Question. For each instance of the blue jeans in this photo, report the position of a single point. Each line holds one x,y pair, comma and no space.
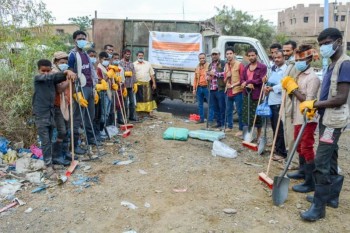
202,92
218,104
238,101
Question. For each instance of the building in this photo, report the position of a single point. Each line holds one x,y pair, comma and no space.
304,23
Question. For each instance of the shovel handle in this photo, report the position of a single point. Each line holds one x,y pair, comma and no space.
71,119
296,143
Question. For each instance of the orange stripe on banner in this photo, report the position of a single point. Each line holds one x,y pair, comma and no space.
181,47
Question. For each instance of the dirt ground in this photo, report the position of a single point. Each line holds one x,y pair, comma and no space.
207,186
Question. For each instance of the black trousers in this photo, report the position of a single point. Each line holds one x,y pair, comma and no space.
280,147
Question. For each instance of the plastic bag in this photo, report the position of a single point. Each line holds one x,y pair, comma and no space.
264,109
3,145
223,150
172,133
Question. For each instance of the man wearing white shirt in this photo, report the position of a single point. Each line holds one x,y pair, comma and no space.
144,74
273,90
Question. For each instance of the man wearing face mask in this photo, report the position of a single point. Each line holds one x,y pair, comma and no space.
143,89
109,49
304,88
333,108
78,61
60,149
130,80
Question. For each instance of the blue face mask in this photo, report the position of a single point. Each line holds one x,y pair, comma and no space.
81,43
110,55
116,62
93,60
327,50
63,67
105,63
301,65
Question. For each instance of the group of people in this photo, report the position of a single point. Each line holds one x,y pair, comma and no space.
98,86
292,90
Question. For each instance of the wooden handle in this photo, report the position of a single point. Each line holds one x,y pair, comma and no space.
276,132
71,118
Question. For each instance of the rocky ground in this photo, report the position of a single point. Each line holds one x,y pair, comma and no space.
171,186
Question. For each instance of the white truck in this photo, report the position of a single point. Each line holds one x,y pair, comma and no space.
172,83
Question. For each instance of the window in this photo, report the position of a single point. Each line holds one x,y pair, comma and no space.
320,19
306,19
295,20
283,23
337,18
59,31
291,21
342,18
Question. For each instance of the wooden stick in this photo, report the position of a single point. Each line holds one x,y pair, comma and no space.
71,118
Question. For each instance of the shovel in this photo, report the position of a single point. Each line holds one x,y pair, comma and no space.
246,131
263,140
281,182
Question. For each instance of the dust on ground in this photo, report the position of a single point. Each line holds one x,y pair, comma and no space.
205,185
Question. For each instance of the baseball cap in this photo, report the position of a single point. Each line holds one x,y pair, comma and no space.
215,50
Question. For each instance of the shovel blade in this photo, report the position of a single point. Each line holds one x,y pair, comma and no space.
280,190
261,146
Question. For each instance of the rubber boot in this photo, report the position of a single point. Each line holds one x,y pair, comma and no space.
300,174
77,149
336,186
57,156
120,117
318,206
66,152
309,183
132,116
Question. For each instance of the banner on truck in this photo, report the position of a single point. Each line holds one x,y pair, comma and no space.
174,49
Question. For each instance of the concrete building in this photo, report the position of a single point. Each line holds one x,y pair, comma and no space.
304,23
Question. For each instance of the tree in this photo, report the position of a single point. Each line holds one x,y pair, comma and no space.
281,38
239,23
24,39
83,22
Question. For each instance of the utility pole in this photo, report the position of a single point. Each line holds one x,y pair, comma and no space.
325,25
335,12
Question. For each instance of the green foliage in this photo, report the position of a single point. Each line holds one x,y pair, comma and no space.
83,22
281,38
239,23
21,47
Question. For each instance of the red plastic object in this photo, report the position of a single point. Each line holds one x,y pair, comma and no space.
194,117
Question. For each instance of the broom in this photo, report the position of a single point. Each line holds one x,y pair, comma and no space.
264,176
126,132
249,144
74,163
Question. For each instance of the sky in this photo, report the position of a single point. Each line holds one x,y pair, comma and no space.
168,9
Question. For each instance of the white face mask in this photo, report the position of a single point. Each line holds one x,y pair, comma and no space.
105,63
140,60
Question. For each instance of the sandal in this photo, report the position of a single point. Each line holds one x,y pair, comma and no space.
277,158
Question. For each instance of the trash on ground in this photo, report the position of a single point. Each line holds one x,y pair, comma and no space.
180,190
84,181
128,204
29,210
15,202
3,145
36,151
229,211
143,172
125,162
10,157
24,165
34,177
173,133
9,187
206,135
223,150
147,205
40,188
